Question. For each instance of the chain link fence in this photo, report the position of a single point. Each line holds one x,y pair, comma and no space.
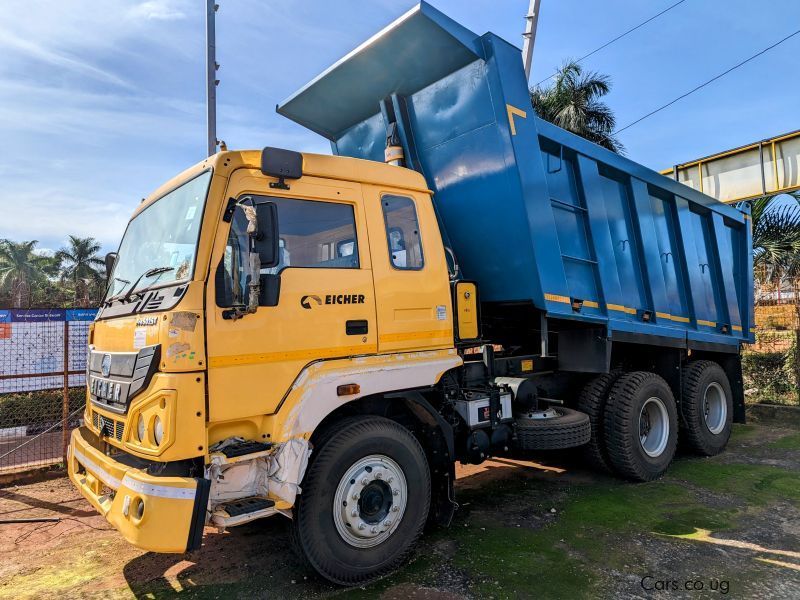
772,365
42,379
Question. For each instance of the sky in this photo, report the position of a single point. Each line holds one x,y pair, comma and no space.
101,102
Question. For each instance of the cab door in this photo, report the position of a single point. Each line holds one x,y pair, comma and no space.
410,270
325,306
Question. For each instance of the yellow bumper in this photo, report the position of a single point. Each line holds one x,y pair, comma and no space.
160,514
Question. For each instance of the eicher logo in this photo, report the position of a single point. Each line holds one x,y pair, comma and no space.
306,301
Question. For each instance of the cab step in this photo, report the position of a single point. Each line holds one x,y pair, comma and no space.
242,510
245,448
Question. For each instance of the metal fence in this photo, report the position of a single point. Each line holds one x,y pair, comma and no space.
42,378
772,364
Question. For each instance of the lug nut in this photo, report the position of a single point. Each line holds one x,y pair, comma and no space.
354,513
379,475
390,480
374,530
387,522
364,481
396,492
355,496
361,526
395,508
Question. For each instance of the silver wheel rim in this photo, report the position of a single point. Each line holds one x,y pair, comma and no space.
370,501
653,427
715,408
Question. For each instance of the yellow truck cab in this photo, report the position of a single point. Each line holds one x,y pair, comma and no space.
203,398
323,337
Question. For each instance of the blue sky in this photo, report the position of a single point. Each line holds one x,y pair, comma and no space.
100,102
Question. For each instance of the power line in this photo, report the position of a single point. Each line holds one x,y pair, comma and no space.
713,79
619,37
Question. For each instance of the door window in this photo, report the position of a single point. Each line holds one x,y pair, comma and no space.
312,234
402,232
319,235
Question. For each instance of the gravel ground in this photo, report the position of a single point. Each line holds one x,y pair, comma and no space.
544,527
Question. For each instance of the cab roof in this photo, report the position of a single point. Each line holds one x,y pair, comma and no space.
316,165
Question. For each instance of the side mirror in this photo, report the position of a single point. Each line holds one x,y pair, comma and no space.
283,164
267,242
111,260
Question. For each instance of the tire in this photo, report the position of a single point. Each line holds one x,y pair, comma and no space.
568,429
319,530
592,401
640,402
707,407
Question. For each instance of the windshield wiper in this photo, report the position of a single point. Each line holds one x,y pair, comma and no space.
124,295
149,273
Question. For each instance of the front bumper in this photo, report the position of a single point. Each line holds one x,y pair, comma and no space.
160,514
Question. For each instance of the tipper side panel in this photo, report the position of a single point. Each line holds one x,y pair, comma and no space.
536,214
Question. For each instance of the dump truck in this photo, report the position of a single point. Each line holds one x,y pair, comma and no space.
322,337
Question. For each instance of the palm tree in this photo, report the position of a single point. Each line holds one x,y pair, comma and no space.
20,269
776,237
79,264
573,103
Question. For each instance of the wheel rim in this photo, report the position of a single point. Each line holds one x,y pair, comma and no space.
370,501
653,427
715,408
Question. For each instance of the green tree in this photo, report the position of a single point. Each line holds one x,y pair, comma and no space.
776,236
80,264
573,103
20,270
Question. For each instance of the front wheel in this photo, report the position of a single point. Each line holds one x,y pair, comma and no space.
364,502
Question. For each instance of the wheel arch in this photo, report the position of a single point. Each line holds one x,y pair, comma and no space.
412,410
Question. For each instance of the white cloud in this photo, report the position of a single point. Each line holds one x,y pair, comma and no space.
38,52
156,10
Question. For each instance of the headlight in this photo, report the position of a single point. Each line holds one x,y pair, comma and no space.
158,430
140,430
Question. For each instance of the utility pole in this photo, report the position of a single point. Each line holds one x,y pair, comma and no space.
211,76
531,21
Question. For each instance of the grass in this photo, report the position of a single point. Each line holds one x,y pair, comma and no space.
788,442
585,539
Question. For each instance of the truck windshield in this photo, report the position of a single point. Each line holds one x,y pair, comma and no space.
163,235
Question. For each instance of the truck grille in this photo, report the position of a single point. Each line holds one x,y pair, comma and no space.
107,426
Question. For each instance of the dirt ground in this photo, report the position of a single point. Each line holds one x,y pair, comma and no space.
547,528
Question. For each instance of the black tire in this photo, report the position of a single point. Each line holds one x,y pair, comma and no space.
314,532
592,401
621,425
568,430
706,437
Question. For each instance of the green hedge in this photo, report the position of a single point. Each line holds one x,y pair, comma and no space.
37,408
771,376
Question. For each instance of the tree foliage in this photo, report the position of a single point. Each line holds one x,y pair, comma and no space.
573,103
776,237
71,277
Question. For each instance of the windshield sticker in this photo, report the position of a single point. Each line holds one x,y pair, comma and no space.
183,270
190,213
139,338
183,320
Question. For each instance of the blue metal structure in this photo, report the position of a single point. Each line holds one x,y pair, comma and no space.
534,213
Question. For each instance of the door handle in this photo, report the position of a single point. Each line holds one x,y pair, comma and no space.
357,327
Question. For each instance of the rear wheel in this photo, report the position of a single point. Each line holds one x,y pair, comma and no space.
592,401
640,426
364,503
707,407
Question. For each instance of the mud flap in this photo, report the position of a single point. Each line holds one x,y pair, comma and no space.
198,514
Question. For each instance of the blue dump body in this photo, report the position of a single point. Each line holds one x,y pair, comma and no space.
536,214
